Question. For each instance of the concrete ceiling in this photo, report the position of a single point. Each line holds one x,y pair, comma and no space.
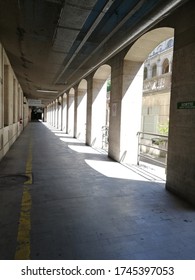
53,44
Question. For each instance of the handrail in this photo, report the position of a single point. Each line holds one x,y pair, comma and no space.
105,137
140,135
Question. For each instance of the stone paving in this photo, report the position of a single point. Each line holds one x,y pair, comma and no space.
86,206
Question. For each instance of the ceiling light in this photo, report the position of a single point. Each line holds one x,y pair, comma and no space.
47,90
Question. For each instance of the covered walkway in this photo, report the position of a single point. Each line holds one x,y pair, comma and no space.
60,199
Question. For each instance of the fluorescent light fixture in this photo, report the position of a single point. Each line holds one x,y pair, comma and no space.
47,90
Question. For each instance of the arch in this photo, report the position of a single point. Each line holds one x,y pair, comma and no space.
170,43
129,92
165,66
146,43
103,72
83,84
72,91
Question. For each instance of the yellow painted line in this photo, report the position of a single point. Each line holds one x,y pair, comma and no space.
24,228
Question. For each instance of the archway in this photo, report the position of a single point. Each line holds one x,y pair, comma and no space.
126,104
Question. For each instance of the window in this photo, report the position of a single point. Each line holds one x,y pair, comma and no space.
154,70
170,43
145,73
165,66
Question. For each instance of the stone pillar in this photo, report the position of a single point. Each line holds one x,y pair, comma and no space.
125,109
6,97
75,111
45,114
55,113
98,110
48,114
89,109
80,113
59,106
64,113
70,102
62,106
181,147
53,109
50,119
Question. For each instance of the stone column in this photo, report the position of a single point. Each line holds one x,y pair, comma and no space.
89,109
80,114
53,115
59,106
181,147
70,103
75,111
45,114
64,113
98,92
125,109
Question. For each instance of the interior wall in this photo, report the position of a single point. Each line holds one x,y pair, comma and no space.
13,107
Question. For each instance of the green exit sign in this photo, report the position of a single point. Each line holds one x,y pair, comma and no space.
186,105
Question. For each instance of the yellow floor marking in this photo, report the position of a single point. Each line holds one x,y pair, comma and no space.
23,238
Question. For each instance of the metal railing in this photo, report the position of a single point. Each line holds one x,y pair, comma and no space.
159,142
105,137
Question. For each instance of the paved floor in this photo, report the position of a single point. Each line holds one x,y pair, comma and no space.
85,206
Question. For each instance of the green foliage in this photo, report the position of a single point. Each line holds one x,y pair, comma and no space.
163,128
108,85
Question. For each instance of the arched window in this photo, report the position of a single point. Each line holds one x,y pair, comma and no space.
145,73
165,66
170,43
154,70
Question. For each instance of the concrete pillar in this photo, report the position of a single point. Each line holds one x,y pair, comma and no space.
181,147
70,104
6,96
64,113
45,113
61,112
50,114
89,109
80,114
97,110
56,114
125,109
59,108
75,111
53,113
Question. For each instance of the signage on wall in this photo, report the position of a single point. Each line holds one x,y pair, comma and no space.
186,105
34,102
